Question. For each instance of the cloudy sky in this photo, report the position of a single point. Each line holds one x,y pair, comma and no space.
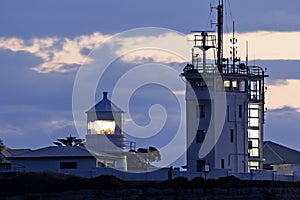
44,43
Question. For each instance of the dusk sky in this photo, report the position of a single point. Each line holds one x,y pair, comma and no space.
43,44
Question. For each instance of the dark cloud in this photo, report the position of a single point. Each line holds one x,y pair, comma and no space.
30,101
71,18
20,85
282,125
279,69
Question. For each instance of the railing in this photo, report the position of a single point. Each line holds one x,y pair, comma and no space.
226,69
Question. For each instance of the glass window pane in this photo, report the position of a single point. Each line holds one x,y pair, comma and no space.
242,85
234,84
253,113
254,106
253,133
255,143
254,122
227,83
254,152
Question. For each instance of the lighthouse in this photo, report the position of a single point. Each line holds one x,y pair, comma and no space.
105,138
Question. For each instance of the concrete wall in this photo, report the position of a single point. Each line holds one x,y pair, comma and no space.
287,169
53,164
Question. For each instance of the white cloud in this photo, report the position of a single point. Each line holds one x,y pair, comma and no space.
10,130
57,53
58,124
281,95
266,45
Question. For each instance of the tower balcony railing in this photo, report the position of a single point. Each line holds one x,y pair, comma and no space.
212,68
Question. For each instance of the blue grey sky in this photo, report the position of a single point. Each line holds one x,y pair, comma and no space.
36,106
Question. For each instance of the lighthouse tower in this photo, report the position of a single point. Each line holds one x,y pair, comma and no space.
232,136
105,138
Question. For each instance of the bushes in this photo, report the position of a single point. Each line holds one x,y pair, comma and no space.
51,182
105,182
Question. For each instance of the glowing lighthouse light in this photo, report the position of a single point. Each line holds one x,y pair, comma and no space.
102,126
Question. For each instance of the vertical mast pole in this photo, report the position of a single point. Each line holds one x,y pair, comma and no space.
233,48
220,36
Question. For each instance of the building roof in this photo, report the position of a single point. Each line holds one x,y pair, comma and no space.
59,152
105,105
278,154
18,151
7,152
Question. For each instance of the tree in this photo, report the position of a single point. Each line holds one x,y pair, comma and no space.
69,141
2,146
142,158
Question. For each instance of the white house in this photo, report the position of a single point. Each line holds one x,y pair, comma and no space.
60,159
283,160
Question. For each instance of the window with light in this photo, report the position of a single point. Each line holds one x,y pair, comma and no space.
102,127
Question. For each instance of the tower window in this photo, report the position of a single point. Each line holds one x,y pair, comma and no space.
102,127
199,83
227,83
200,136
242,86
231,135
200,110
240,111
222,163
200,165
234,84
220,85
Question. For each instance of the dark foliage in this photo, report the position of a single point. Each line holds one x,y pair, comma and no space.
106,182
69,141
142,158
46,182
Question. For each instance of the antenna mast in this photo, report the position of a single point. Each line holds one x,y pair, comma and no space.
220,36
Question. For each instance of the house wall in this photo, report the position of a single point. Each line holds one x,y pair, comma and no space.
287,169
221,117
53,164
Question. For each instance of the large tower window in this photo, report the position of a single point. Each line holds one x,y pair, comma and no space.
242,86
231,135
200,109
200,165
102,126
222,163
240,111
234,85
200,136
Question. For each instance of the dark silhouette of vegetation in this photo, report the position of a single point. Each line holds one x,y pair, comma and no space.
142,158
110,187
69,141
1,145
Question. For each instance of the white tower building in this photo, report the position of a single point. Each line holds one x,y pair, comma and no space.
238,144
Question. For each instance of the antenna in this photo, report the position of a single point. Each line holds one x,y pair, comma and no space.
233,46
247,51
220,36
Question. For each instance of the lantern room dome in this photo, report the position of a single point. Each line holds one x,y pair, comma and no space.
105,105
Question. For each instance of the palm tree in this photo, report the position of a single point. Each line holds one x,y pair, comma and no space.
69,141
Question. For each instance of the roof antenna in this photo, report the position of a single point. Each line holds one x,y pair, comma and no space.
220,36
247,52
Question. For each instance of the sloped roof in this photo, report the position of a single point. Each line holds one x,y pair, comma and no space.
55,151
278,154
7,152
18,151
61,152
105,105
